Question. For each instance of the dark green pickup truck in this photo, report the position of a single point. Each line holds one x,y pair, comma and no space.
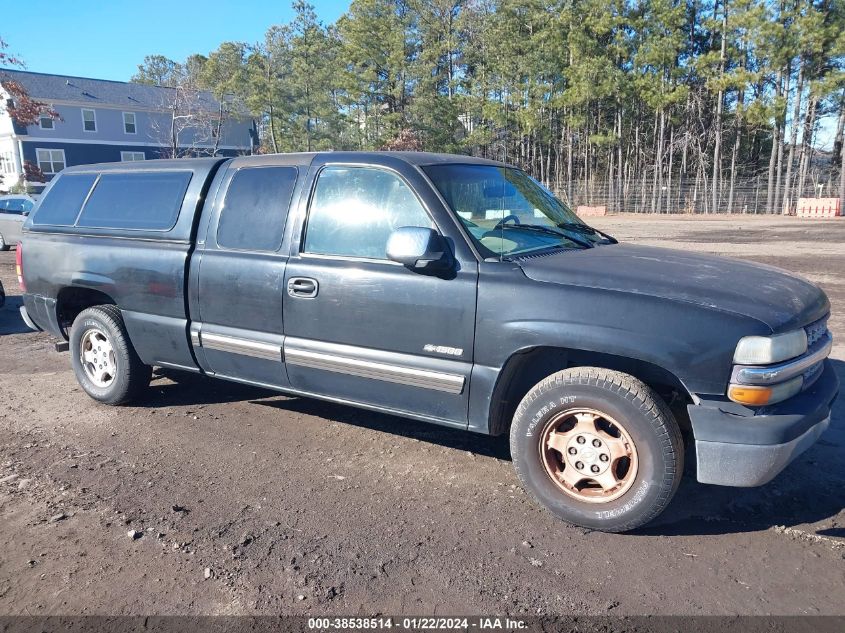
447,289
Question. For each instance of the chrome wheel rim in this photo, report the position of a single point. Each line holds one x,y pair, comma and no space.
588,455
97,356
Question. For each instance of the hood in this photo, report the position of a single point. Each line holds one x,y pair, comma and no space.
773,296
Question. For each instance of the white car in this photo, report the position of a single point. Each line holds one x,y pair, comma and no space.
13,212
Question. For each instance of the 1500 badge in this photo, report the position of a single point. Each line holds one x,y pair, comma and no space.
443,349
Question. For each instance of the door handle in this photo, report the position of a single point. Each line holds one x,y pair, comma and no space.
302,287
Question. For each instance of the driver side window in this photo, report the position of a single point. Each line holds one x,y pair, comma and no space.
355,209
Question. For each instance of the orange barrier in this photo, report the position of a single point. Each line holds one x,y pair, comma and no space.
818,208
584,211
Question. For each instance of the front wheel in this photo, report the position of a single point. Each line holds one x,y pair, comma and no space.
104,361
598,448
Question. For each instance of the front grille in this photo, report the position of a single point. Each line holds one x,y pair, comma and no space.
815,331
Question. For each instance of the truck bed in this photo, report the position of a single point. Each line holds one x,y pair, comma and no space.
143,270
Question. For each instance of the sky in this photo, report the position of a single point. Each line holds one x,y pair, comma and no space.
107,40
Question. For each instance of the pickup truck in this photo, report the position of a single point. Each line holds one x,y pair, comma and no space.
448,289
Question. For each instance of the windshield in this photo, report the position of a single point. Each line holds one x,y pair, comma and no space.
508,213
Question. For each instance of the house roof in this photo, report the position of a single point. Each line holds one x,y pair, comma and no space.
94,92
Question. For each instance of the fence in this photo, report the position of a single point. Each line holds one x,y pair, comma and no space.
692,196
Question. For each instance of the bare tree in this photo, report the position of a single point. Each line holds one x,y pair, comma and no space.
191,125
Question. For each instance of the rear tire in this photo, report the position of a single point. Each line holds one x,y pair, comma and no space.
598,448
103,358
3,245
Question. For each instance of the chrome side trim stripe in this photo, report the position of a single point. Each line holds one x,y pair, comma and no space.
449,383
245,347
195,338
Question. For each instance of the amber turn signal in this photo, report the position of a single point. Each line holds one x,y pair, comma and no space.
755,396
752,396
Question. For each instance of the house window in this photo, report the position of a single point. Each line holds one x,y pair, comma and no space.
7,163
45,122
131,156
89,121
50,161
129,123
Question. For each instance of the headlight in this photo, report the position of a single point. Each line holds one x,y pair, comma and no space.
764,350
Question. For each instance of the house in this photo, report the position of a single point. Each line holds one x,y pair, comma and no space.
108,121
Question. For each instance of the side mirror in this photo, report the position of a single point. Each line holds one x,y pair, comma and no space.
420,249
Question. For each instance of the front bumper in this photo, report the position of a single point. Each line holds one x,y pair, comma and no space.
737,446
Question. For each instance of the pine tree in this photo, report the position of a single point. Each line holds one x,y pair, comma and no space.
646,106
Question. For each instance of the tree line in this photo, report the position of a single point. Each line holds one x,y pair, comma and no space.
637,99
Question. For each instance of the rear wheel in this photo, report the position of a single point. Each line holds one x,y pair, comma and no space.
598,448
104,361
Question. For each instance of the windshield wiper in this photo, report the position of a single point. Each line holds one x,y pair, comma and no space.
584,228
548,230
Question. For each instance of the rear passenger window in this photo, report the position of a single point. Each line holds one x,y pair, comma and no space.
138,200
355,209
255,208
62,203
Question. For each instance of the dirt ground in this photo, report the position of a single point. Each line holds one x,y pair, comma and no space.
245,501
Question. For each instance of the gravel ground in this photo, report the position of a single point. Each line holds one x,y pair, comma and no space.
215,498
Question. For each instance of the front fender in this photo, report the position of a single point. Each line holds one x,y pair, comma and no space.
692,342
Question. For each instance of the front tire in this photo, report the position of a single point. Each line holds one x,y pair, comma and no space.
103,358
598,448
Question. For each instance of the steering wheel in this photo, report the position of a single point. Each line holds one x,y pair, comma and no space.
505,220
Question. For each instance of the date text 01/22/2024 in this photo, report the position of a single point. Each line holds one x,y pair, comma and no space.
416,623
